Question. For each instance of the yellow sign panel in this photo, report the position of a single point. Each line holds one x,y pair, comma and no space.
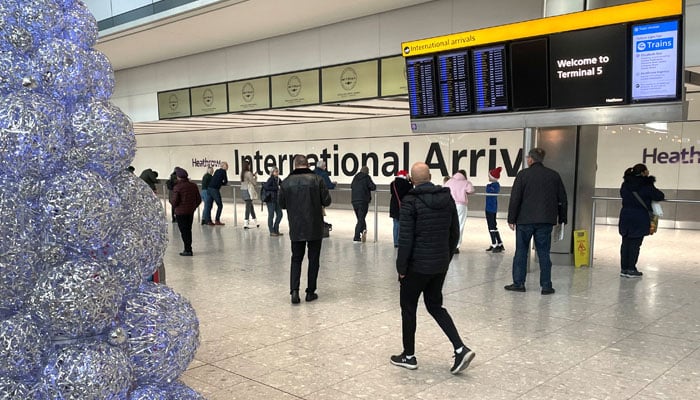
174,104
295,89
581,248
393,76
209,99
249,94
561,23
350,82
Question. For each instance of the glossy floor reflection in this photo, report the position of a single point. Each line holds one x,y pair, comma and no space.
599,337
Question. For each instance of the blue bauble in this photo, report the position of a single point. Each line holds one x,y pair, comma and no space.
87,370
61,67
80,26
80,210
102,138
32,134
77,298
22,346
163,333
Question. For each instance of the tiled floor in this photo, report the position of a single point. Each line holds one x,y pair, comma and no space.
599,337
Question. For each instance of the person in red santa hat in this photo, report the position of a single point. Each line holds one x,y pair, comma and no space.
491,209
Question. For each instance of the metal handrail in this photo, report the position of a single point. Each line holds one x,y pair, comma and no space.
605,198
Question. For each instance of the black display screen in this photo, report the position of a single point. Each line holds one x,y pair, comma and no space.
453,83
490,85
589,67
529,74
420,76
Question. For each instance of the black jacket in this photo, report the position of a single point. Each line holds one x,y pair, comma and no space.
428,230
150,177
634,218
399,187
271,186
220,178
361,187
303,194
537,197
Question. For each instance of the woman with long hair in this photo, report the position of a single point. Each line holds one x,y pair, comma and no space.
249,192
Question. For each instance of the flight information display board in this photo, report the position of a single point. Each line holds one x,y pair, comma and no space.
453,83
420,76
589,67
655,55
529,74
490,83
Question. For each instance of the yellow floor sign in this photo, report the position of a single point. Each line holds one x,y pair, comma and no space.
581,248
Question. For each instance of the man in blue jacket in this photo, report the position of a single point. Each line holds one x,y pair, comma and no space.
537,200
428,236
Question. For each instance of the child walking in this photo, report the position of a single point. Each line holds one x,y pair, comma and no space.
492,208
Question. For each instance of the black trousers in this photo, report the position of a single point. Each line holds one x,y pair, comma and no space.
493,228
184,222
361,213
629,252
412,285
298,250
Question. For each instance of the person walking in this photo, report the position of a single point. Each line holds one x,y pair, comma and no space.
537,203
491,209
185,199
428,236
460,188
274,212
362,187
206,199
637,192
304,194
249,192
399,187
220,178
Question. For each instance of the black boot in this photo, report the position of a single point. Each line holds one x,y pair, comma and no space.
295,297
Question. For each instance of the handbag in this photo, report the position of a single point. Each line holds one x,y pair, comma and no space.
653,217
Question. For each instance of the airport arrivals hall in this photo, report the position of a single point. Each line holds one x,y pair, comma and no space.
424,125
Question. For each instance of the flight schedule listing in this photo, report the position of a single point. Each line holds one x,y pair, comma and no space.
420,74
453,76
490,86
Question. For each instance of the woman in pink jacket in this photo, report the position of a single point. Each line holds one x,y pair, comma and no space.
460,187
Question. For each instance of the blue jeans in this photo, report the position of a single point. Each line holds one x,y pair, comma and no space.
215,195
207,200
543,243
396,232
274,209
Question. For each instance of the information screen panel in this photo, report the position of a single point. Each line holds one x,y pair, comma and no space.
393,76
589,67
295,89
350,82
174,104
420,75
249,95
490,83
208,100
453,83
529,74
655,54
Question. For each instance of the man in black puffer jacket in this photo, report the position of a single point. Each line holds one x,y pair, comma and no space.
362,187
428,236
304,194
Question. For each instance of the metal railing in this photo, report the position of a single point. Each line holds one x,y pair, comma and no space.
604,198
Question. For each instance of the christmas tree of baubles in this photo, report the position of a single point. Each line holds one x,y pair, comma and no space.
79,318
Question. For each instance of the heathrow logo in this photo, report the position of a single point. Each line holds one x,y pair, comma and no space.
294,86
173,102
248,92
348,78
208,98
